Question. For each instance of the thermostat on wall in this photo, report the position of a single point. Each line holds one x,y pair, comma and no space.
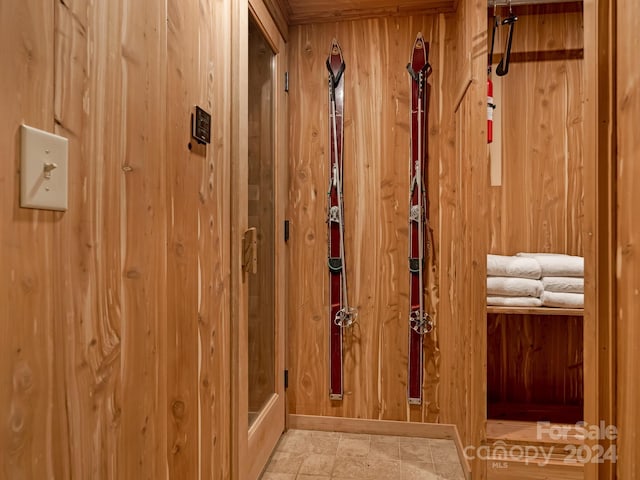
201,126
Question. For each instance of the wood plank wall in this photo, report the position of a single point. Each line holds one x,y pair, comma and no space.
376,186
114,339
376,192
464,233
628,237
539,206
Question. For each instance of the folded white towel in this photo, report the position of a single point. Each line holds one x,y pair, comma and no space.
540,254
563,284
562,300
505,266
514,287
557,265
514,301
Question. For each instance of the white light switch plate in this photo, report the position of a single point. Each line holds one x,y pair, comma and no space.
43,170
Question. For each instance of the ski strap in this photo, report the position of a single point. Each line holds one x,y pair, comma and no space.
334,79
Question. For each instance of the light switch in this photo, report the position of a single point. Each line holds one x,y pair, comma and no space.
43,170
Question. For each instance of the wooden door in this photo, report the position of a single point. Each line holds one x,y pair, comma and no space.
260,185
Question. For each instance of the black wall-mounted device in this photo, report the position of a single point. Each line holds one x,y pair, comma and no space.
201,126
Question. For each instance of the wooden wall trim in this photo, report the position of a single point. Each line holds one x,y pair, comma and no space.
239,224
367,13
599,232
280,13
375,427
263,17
627,110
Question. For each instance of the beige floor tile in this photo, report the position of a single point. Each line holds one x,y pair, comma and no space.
450,471
354,447
418,471
278,476
384,451
414,441
418,451
366,469
285,462
320,434
316,455
355,436
295,441
444,452
323,445
442,442
385,469
316,464
386,439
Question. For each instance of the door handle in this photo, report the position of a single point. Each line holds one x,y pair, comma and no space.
250,251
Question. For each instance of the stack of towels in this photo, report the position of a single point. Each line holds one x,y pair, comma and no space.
535,280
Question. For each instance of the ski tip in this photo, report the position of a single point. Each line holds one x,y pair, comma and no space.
420,52
419,43
335,48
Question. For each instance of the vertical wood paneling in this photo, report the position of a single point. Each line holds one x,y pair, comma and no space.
599,239
376,183
115,334
31,433
628,233
89,237
214,367
464,233
143,239
539,205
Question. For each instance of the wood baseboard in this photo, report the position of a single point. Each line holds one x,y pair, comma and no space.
382,427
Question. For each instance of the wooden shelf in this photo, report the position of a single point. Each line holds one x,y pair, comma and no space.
515,432
574,312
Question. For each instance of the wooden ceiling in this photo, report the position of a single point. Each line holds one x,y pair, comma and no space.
314,11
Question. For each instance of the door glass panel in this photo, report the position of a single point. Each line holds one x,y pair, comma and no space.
261,213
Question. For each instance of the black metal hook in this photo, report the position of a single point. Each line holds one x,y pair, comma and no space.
503,67
496,24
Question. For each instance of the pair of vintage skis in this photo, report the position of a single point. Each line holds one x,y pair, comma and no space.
342,315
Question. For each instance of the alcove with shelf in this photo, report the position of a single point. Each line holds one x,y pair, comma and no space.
535,355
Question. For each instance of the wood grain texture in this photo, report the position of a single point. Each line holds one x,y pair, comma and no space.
131,323
599,236
198,198
32,431
499,469
314,11
539,206
376,182
535,359
628,238
577,312
279,11
464,231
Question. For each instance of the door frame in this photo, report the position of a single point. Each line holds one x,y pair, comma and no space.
599,226
252,446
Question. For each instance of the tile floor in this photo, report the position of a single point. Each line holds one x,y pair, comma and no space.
312,455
